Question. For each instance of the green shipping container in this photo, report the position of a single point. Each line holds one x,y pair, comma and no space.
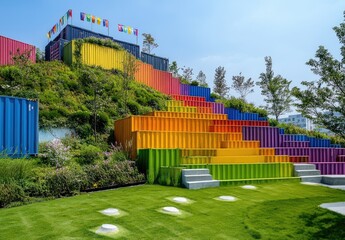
151,160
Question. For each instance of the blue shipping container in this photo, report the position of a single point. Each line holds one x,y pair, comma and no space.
18,126
197,91
157,62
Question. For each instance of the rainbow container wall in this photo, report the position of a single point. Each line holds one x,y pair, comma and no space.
18,126
9,46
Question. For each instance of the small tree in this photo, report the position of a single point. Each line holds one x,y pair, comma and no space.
276,91
242,86
130,67
201,79
187,74
174,69
220,86
148,43
39,56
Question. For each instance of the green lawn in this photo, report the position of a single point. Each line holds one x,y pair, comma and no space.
273,211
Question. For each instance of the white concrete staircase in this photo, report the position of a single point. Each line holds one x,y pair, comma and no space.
308,173
198,178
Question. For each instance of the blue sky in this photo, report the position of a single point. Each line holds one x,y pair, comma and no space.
236,34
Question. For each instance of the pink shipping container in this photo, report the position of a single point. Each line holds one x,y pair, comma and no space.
10,47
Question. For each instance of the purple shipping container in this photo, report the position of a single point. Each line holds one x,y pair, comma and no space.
321,155
293,151
294,144
331,168
268,136
218,108
185,89
10,47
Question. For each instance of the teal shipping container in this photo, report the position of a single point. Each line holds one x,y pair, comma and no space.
18,127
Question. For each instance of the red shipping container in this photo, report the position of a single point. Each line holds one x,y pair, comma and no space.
10,47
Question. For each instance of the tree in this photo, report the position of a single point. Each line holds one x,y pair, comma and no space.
276,91
220,86
130,67
323,101
242,86
174,69
148,43
201,79
39,56
187,75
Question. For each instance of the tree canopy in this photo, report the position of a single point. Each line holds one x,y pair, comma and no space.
323,100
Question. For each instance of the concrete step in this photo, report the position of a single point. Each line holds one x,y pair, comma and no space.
302,173
202,184
313,179
333,179
195,171
199,177
303,166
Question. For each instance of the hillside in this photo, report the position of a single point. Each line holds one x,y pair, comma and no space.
72,97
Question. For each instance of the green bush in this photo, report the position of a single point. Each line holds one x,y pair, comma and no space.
65,181
10,192
112,173
18,170
88,154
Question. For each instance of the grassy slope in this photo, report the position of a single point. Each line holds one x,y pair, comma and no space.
274,211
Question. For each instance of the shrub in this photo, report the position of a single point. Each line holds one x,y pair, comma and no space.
111,173
10,192
88,154
65,181
18,170
55,153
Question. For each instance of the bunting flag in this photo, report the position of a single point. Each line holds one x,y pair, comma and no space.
93,19
88,17
120,27
105,23
62,21
127,29
82,16
98,21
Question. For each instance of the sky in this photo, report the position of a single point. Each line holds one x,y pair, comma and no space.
201,34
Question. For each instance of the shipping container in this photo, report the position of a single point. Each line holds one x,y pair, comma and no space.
55,50
200,92
188,115
188,98
18,126
334,168
293,151
151,160
240,144
321,155
247,171
185,89
10,47
159,63
268,136
295,144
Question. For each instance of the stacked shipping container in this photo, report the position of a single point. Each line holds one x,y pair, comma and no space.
10,47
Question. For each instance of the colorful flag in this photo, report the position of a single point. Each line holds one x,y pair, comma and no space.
55,28
93,19
105,23
98,21
129,30
48,34
125,29
136,32
120,27
82,16
69,13
88,17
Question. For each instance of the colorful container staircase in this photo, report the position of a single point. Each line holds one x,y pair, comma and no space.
197,133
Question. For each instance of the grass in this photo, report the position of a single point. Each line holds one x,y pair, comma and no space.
273,211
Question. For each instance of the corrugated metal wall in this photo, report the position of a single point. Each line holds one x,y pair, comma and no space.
159,63
10,47
18,126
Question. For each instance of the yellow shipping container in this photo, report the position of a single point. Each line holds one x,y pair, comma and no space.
189,115
267,151
175,103
182,109
237,159
240,144
275,159
196,160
